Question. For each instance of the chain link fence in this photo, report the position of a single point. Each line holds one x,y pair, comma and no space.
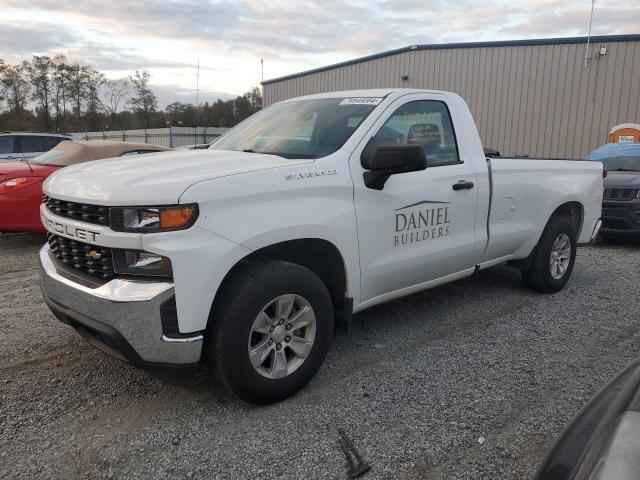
169,137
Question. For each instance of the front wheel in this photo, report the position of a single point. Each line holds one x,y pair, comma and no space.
271,331
553,258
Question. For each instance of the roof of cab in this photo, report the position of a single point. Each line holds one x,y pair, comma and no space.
374,92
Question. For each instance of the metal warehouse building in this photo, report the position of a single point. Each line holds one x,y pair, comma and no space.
529,97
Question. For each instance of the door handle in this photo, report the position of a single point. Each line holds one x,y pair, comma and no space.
463,185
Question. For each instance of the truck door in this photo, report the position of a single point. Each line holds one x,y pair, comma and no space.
421,226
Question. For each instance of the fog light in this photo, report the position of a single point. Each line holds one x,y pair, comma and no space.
137,262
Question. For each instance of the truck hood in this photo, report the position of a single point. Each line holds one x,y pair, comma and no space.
153,179
622,179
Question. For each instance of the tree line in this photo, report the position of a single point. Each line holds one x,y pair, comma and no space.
51,94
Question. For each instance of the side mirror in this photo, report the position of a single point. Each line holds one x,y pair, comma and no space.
386,160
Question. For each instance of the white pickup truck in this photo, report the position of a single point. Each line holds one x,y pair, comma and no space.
316,207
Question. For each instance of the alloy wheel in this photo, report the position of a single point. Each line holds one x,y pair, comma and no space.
282,336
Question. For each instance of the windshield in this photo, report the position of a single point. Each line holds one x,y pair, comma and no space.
299,129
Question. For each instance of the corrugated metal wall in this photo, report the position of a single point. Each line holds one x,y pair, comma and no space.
535,100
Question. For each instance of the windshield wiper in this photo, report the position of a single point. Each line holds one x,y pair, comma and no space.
248,150
292,156
286,155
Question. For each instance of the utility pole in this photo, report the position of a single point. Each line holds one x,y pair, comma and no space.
261,81
586,50
195,131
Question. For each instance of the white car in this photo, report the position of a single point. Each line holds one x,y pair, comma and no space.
19,145
320,206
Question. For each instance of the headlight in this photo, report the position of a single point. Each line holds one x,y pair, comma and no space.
18,183
153,219
136,262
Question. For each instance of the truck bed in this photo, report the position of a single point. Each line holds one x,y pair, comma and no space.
524,193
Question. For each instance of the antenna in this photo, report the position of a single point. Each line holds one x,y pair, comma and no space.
26,160
195,131
586,49
262,67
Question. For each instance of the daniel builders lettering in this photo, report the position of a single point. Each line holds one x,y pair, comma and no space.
421,221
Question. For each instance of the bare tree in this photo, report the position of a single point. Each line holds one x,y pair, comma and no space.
60,90
15,87
40,72
77,82
113,93
255,98
143,101
94,80
3,88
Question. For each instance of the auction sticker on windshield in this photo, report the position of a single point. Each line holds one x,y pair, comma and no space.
361,101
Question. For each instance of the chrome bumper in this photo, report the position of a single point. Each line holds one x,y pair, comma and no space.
121,317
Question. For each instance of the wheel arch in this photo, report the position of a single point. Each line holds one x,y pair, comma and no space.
318,255
573,209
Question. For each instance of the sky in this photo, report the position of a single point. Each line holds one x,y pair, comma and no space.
229,38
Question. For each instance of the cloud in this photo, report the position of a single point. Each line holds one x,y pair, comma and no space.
33,38
167,94
231,36
111,57
574,20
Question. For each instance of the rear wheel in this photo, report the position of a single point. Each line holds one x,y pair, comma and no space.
554,256
271,331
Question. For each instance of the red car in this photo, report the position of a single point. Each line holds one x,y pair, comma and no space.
21,181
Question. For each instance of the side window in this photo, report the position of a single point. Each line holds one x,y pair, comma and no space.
425,122
29,144
6,144
49,142
37,143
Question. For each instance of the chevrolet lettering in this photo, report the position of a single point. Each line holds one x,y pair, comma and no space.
244,254
70,231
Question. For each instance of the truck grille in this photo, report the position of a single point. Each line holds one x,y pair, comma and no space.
620,193
96,214
91,259
614,224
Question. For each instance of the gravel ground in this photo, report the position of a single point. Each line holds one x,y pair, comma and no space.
470,380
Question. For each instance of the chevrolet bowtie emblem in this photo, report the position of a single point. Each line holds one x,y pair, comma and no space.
95,254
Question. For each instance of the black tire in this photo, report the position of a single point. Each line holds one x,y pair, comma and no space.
243,298
538,275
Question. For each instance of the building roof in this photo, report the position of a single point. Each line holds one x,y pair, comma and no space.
443,46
